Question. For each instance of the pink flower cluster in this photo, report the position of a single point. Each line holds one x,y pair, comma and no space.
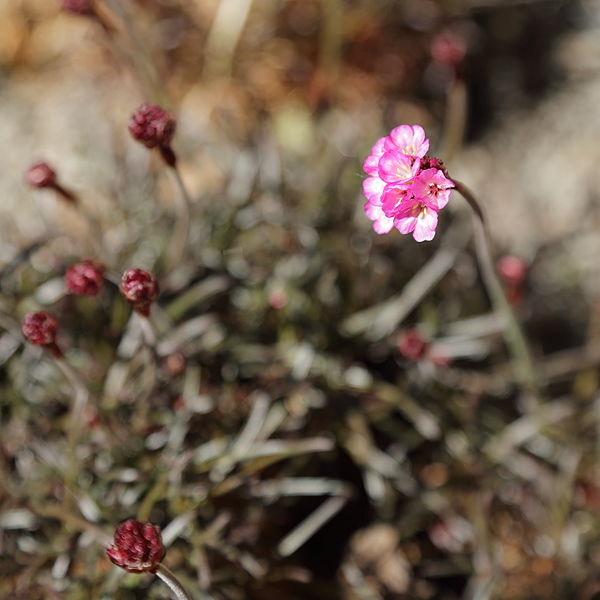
405,188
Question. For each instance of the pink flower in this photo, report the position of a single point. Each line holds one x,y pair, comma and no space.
393,196
408,139
381,223
395,167
373,188
433,187
405,188
415,217
371,163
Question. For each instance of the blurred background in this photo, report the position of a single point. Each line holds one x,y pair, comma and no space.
283,426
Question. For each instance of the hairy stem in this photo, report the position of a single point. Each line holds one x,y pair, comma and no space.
513,331
167,576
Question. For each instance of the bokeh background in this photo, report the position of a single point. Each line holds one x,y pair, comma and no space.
274,428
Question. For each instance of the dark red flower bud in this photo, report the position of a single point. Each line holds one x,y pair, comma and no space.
85,278
140,289
152,126
137,547
40,175
81,7
429,162
412,345
40,328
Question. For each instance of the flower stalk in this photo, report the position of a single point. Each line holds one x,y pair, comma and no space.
513,331
154,127
181,232
172,582
138,548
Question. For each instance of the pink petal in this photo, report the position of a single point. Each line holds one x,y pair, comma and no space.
405,224
409,139
381,223
425,226
433,188
392,197
370,163
395,167
373,188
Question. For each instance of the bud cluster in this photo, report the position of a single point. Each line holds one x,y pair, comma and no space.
140,289
40,329
137,547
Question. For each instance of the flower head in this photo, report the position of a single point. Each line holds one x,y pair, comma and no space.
85,278
152,126
140,289
40,175
137,547
40,328
405,188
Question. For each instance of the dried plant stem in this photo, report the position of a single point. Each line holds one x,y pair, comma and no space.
513,332
456,117
80,401
146,329
178,590
181,231
81,393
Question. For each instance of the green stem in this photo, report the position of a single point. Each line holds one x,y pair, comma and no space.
513,332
